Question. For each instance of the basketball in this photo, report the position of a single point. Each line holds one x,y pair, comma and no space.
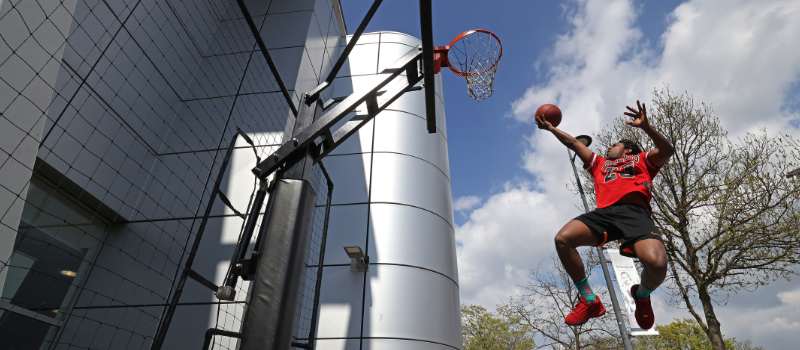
550,112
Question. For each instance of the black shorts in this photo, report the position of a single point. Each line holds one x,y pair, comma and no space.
628,222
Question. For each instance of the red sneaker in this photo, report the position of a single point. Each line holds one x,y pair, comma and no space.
644,312
584,310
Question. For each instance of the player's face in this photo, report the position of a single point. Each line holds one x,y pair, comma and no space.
615,151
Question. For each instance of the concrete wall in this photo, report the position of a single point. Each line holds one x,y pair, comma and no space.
131,101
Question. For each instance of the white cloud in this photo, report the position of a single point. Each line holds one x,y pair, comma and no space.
774,326
739,56
790,297
466,203
512,232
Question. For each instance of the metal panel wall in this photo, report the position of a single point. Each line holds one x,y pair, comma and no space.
131,101
393,199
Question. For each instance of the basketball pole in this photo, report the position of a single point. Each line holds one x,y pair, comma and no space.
623,331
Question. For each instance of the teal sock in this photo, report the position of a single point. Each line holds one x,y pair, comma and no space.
585,290
642,292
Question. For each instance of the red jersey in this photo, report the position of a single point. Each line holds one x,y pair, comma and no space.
615,178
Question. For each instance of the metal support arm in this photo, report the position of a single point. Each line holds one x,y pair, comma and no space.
374,97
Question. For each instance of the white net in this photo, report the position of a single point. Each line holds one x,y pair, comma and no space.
476,56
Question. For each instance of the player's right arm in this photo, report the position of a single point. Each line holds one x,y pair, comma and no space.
583,152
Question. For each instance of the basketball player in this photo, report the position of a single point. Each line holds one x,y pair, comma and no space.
622,182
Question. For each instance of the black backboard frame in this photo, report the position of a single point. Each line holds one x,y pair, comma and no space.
426,33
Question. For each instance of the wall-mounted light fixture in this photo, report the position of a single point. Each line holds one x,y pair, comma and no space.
358,260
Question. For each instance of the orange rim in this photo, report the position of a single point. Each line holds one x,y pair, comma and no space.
445,61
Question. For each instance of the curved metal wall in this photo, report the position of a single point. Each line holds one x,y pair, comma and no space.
392,198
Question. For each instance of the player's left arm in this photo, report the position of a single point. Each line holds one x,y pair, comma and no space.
663,149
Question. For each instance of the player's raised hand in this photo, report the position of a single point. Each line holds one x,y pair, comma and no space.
639,116
542,123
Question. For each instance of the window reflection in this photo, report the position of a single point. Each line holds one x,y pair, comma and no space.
53,251
41,270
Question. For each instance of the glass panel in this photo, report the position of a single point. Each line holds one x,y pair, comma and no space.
19,266
41,271
55,246
20,332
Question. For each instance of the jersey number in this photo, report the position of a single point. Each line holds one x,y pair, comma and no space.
627,172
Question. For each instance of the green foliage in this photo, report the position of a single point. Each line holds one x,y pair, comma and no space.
680,334
685,334
483,330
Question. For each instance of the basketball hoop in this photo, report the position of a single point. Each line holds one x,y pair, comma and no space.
474,55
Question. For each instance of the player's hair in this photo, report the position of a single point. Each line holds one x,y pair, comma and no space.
631,145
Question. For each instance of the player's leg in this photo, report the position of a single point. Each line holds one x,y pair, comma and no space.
653,256
637,228
573,235
576,234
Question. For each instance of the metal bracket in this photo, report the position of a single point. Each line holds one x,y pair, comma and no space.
301,345
376,99
211,332
245,269
332,101
202,280
313,95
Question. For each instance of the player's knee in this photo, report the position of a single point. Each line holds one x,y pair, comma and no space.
660,266
562,240
655,262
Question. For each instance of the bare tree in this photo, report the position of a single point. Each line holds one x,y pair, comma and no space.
543,306
727,212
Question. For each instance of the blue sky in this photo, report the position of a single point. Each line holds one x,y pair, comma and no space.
592,57
470,121
483,131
